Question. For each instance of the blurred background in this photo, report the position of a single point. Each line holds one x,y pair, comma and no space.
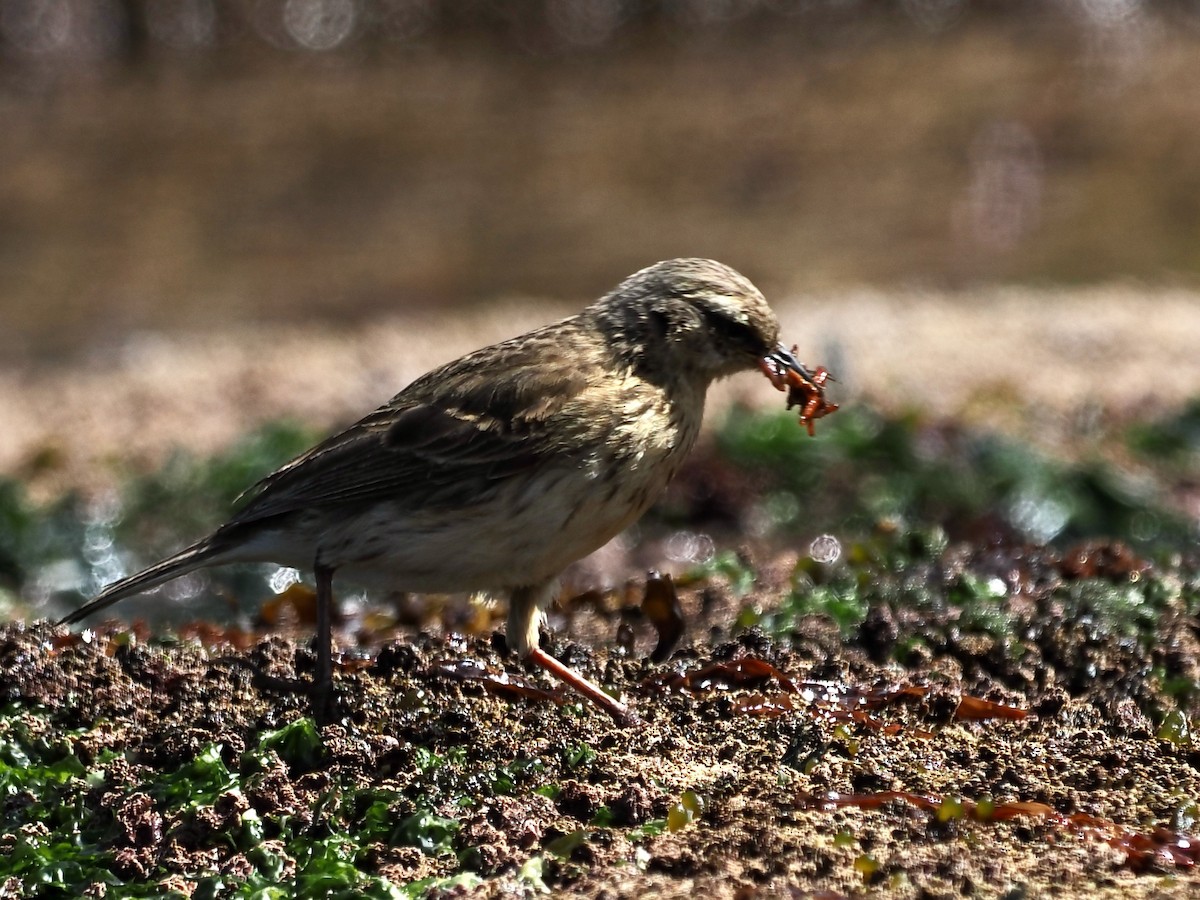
219,212
216,214
169,164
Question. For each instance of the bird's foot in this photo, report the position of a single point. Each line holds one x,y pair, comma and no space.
324,701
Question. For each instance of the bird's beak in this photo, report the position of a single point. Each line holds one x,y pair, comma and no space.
804,388
778,363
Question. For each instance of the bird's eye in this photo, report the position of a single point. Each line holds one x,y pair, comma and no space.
737,333
660,322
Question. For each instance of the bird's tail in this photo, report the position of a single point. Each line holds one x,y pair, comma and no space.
200,554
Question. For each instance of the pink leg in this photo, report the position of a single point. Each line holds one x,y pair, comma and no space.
524,614
621,713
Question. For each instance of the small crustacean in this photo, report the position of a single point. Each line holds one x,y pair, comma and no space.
805,389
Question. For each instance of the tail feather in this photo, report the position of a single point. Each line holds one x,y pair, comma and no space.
197,556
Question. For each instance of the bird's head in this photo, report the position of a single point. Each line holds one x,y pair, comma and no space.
692,318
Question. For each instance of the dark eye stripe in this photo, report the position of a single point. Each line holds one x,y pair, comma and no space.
736,332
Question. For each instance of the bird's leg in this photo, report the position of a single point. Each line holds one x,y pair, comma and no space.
322,695
621,713
524,615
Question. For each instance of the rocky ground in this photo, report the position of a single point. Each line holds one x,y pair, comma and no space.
810,766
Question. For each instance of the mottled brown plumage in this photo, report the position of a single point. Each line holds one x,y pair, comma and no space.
497,470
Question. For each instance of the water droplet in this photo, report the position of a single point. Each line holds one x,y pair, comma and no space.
825,549
689,547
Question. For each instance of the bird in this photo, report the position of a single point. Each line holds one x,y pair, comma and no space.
495,471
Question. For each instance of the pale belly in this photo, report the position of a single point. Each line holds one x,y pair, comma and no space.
501,546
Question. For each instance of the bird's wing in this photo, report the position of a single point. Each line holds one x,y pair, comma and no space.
441,442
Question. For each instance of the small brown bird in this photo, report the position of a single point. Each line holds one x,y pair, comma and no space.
496,471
